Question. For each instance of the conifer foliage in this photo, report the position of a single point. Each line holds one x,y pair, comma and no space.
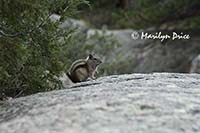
31,55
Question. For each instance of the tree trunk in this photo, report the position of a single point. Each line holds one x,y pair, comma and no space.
122,4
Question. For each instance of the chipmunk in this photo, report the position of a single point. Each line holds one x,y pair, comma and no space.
82,69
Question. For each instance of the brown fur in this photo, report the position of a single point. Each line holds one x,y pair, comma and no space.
82,69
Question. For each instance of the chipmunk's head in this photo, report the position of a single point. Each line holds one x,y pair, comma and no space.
93,60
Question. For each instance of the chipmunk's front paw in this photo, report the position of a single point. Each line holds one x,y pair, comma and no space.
94,78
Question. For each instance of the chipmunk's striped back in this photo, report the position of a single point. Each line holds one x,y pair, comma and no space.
82,69
76,64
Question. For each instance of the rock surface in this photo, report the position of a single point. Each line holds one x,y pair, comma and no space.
146,56
157,103
136,55
195,68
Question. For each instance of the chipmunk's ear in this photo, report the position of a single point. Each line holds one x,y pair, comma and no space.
90,56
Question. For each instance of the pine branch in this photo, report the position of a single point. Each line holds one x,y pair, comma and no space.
2,33
9,35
